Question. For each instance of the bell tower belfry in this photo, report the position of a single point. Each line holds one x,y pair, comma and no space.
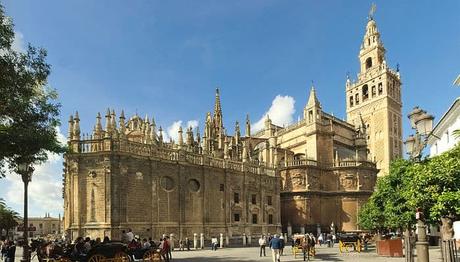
376,98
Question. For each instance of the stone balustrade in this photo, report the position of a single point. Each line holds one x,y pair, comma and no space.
165,153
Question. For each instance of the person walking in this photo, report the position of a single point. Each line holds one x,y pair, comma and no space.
262,244
10,251
334,238
275,246
282,245
214,243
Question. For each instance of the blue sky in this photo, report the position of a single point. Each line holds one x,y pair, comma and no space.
165,59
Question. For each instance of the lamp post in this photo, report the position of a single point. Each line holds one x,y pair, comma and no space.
422,123
25,170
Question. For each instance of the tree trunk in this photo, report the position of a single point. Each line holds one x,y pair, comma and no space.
408,246
447,243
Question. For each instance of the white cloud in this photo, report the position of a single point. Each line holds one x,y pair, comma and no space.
172,130
18,42
45,190
281,112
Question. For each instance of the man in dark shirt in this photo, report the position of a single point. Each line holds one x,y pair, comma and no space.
10,251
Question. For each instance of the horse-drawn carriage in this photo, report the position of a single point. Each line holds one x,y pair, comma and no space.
102,252
350,240
304,244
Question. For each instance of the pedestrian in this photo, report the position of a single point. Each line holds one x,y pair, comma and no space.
334,238
124,237
275,246
181,245
87,245
262,244
152,243
145,244
320,239
10,251
106,240
164,249
187,243
214,243
170,247
282,245
130,235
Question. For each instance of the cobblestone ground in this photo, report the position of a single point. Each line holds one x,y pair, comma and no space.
252,254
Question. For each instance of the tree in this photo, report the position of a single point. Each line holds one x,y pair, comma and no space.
28,110
8,217
437,189
388,207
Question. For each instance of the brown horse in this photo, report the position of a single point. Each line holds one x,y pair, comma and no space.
308,243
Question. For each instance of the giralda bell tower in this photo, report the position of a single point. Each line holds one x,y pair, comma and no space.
374,100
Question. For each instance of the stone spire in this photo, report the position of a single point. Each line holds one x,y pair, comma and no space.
98,128
189,137
76,127
312,99
180,137
248,126
108,123
70,132
113,122
122,124
237,133
152,130
312,111
218,122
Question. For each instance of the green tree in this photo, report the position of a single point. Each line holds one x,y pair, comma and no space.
28,110
437,189
388,207
8,217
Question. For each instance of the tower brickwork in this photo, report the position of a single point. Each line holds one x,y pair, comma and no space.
375,99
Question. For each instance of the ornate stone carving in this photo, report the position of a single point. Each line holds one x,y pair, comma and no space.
348,181
298,181
139,175
92,174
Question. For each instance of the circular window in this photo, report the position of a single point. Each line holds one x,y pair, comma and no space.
193,185
167,183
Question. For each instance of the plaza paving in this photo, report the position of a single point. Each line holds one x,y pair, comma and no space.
252,254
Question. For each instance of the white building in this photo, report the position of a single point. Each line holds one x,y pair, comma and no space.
442,138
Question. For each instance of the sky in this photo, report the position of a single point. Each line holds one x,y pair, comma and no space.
165,59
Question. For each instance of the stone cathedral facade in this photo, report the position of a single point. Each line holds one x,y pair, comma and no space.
298,178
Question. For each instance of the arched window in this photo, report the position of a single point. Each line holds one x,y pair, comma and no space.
351,101
365,92
368,63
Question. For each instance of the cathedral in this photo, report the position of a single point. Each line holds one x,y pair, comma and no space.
299,178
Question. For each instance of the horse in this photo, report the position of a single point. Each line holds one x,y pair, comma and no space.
308,244
49,250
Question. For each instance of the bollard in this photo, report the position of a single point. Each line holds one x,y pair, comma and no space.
195,240
221,240
244,239
201,240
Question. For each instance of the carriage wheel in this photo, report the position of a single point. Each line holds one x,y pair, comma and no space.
341,246
96,258
121,257
149,255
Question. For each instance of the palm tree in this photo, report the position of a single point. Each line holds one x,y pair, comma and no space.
8,217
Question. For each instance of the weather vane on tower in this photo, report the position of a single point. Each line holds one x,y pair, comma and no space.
372,11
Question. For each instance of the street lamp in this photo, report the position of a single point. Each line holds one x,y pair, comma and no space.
422,123
25,170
